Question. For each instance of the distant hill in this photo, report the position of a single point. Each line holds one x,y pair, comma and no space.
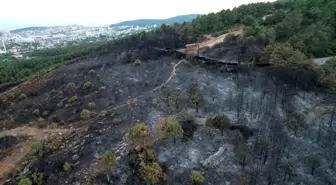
28,29
147,22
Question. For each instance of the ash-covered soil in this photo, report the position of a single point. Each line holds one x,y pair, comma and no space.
261,146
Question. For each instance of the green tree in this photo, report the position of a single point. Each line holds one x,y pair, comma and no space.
109,163
221,122
196,177
196,100
139,136
174,131
25,181
151,172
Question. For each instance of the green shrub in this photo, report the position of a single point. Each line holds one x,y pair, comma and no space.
88,181
67,167
60,93
88,86
36,147
53,92
71,86
220,122
45,113
73,100
91,105
25,181
196,100
60,104
150,172
174,131
139,136
40,119
85,114
116,121
196,177
36,112
91,72
38,178
53,125
137,62
22,96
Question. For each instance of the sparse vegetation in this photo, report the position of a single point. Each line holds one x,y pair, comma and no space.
174,131
88,86
196,100
36,112
196,177
36,147
137,62
45,113
151,172
71,86
73,100
85,114
139,136
38,178
92,105
220,122
22,96
67,167
108,164
25,181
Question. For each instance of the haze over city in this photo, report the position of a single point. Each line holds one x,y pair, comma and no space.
100,12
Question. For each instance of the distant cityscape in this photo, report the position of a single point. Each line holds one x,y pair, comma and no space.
22,41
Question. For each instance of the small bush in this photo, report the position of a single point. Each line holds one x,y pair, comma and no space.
88,181
53,125
45,113
38,178
36,112
151,172
91,105
71,86
73,100
137,62
22,96
53,92
88,86
60,104
116,121
92,72
67,167
85,114
60,93
25,181
174,131
196,177
36,147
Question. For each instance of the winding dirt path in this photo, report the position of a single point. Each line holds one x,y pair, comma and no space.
134,99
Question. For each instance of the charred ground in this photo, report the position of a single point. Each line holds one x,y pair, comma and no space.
278,134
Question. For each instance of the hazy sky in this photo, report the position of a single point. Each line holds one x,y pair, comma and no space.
20,13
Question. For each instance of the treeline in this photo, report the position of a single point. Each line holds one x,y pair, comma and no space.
13,70
292,32
138,46
307,25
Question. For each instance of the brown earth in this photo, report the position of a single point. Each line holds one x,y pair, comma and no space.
20,150
208,43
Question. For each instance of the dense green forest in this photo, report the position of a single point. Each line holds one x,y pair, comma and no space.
14,70
308,25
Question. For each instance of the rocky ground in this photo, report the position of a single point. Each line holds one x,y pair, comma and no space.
124,94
